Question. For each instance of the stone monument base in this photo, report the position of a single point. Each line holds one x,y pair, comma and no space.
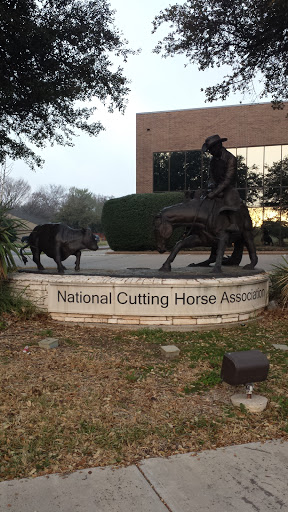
186,298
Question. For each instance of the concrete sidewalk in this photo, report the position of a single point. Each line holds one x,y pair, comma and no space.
246,478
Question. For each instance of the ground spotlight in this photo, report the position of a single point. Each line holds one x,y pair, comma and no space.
246,368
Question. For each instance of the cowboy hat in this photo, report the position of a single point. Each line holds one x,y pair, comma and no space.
211,141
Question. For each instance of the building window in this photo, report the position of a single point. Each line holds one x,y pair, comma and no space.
161,178
180,170
262,177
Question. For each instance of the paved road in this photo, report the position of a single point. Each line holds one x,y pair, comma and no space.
104,258
246,478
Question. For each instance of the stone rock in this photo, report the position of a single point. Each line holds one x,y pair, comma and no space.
279,346
170,351
272,305
48,343
255,404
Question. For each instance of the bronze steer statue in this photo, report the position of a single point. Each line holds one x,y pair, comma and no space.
206,226
59,241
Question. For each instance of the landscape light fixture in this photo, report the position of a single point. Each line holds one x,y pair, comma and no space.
245,368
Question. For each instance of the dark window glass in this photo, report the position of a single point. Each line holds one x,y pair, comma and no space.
160,172
177,170
274,176
256,215
284,199
270,215
272,156
206,159
262,177
241,172
241,180
193,170
254,196
262,181
276,183
272,197
275,226
285,172
255,165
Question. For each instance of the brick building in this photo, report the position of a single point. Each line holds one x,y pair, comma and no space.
168,151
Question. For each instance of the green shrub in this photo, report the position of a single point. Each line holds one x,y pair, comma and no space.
279,281
12,302
8,243
128,220
277,230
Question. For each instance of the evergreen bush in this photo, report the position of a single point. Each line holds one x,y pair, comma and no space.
16,303
8,242
128,220
10,302
279,282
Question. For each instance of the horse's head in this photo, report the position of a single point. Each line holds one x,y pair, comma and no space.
162,230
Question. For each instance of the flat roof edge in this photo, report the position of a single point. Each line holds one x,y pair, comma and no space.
206,108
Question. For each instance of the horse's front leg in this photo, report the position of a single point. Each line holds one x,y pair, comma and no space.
223,239
206,263
190,241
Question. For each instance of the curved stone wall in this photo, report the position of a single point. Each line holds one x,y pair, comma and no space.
133,301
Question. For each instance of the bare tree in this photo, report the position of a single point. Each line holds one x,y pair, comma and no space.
46,201
13,192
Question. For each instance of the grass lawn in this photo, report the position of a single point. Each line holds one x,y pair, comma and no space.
108,396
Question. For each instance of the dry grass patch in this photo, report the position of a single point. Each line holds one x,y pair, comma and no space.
108,397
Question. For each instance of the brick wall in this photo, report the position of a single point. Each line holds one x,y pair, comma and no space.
180,130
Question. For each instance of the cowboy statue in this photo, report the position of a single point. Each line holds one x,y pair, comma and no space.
216,220
222,177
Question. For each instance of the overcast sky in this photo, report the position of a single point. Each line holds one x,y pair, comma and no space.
106,164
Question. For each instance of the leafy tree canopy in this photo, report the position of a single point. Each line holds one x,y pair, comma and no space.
81,208
277,229
54,56
276,185
250,36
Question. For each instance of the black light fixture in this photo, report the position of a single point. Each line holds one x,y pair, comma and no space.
245,368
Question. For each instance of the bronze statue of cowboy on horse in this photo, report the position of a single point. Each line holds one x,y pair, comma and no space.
214,218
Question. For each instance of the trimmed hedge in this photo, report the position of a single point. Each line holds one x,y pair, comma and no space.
128,221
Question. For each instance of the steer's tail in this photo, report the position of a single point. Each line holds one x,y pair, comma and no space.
24,239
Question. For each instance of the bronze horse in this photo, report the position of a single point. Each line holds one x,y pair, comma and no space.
208,224
228,261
